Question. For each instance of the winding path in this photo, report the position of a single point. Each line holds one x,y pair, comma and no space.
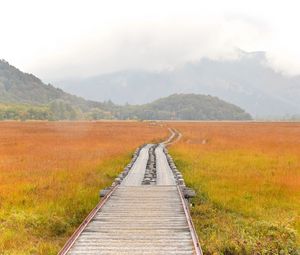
140,219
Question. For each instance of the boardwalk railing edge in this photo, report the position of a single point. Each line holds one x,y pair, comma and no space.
196,243
174,137
86,221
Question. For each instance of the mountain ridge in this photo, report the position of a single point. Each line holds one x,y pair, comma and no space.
24,96
247,81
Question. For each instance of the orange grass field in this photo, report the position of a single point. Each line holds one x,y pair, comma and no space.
247,178
51,173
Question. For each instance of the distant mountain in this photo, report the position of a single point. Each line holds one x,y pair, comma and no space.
19,87
24,96
248,82
185,107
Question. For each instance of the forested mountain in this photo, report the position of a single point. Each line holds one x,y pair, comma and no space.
185,107
247,81
19,87
24,96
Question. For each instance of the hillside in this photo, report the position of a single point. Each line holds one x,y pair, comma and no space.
19,87
247,81
24,96
185,107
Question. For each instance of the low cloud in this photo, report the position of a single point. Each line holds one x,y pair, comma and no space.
72,39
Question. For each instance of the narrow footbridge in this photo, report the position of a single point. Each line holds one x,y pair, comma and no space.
145,211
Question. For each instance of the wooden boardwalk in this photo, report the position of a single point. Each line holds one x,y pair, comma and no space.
139,219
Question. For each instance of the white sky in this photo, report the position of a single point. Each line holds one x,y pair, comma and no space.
59,39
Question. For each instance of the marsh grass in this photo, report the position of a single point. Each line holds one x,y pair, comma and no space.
40,222
51,174
247,178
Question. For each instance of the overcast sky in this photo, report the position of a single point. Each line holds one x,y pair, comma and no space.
57,39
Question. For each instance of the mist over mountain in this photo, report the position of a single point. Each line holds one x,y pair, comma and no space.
24,96
247,81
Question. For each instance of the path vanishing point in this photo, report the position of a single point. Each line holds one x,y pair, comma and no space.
145,211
